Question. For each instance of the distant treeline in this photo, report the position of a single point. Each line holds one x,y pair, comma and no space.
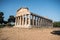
56,24
10,21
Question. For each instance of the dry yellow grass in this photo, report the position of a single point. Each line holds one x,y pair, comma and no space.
28,34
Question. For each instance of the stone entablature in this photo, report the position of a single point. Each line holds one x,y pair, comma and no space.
27,19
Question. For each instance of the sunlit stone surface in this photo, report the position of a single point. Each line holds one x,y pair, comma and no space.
27,19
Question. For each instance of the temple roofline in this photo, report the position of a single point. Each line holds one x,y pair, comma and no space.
23,8
40,16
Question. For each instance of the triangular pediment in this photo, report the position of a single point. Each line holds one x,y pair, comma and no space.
22,11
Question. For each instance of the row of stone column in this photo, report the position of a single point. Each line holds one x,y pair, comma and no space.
33,20
39,21
23,20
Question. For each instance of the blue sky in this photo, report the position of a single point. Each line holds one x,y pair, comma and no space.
46,8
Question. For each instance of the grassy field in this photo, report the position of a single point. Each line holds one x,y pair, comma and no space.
28,34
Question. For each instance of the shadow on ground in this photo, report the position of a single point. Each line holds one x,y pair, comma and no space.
56,32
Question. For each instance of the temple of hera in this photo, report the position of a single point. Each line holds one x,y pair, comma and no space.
27,19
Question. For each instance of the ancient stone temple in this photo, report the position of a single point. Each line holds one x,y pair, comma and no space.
27,19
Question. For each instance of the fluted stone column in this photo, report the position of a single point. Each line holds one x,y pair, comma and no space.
25,20
39,21
43,21
29,19
36,21
17,21
20,20
47,23
33,19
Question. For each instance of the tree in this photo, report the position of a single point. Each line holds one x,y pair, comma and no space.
5,22
1,17
56,24
11,19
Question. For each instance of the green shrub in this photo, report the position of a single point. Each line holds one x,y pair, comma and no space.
56,24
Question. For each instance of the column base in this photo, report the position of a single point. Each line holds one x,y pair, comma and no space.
23,26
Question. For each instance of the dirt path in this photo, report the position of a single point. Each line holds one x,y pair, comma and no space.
28,34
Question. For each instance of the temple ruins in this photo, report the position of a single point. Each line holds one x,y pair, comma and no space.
27,19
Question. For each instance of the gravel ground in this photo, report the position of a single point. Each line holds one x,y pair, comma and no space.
28,34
